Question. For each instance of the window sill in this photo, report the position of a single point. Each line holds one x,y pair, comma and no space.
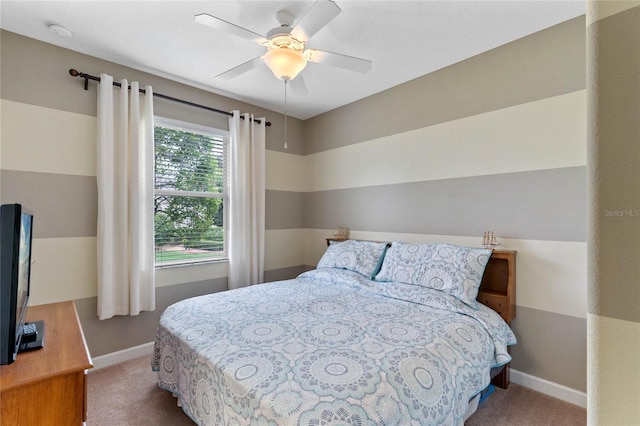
170,265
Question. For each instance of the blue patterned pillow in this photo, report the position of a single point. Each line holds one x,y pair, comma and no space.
452,269
364,257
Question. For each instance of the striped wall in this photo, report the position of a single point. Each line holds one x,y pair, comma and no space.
48,162
613,85
425,162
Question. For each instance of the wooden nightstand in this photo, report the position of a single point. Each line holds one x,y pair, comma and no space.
498,287
498,291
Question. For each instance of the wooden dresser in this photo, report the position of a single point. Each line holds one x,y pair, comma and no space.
48,386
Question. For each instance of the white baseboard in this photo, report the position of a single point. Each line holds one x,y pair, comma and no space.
117,357
546,387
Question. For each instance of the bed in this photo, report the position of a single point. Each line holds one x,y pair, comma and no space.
377,334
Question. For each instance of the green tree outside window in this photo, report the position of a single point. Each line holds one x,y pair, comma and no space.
190,190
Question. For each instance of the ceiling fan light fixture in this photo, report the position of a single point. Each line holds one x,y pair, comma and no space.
285,63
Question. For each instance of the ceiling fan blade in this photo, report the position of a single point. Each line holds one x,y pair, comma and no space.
220,24
319,15
337,60
241,69
298,86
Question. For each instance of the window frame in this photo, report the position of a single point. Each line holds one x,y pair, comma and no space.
185,126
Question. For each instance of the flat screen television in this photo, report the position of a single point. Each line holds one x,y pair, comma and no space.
16,229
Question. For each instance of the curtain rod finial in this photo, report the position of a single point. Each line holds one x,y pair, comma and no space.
74,72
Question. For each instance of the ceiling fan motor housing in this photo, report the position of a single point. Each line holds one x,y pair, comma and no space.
284,18
280,37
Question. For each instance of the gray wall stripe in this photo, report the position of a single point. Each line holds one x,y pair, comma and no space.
540,205
284,210
614,172
63,205
67,205
551,346
285,273
548,63
23,80
122,332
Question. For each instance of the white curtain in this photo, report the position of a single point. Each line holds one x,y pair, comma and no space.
246,199
125,199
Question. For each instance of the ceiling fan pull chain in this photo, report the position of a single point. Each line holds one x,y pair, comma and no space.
285,114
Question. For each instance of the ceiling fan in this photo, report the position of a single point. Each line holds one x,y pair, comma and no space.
286,55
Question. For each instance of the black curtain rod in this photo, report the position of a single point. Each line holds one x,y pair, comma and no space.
87,77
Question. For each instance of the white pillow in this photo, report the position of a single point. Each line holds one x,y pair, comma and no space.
364,257
455,270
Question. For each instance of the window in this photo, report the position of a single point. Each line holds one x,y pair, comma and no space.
190,192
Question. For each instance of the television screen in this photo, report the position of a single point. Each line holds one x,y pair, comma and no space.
24,268
16,228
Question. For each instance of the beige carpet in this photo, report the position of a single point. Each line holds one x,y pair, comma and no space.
127,394
523,407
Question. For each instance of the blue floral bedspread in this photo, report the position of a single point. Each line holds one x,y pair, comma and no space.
330,347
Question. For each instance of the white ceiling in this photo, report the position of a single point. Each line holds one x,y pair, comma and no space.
403,39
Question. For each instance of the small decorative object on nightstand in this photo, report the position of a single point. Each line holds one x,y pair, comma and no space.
489,240
341,233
